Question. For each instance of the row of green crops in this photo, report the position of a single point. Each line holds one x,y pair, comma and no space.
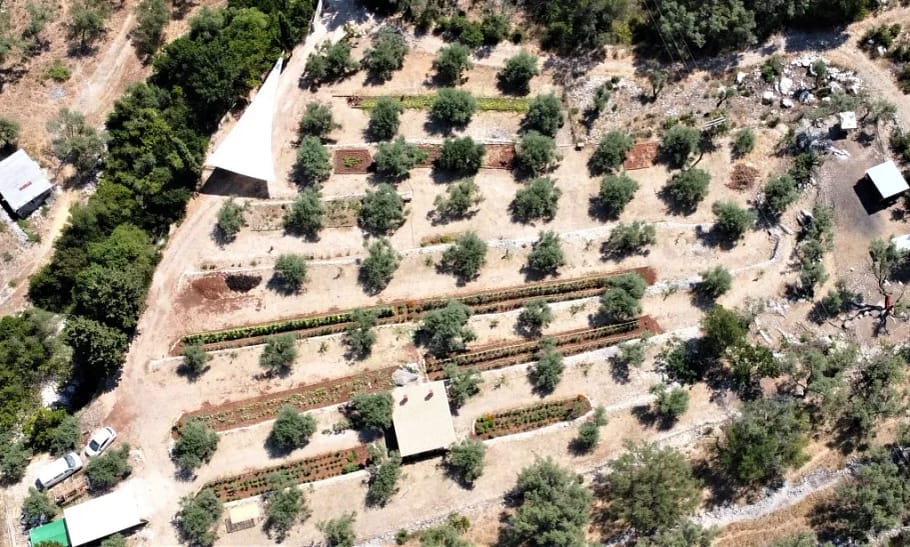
522,419
424,102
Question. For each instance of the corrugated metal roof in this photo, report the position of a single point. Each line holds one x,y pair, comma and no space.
21,180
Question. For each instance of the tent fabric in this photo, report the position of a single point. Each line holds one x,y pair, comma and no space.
101,517
52,531
247,149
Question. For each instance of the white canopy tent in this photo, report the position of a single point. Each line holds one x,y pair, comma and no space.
247,149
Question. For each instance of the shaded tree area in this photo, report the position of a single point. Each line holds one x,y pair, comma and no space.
156,137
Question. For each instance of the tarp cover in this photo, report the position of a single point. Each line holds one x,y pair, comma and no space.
52,531
247,149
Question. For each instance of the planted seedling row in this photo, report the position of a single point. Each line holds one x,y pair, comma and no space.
519,420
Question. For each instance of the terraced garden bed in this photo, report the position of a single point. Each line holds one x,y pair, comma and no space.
496,156
573,342
350,161
519,420
490,301
324,466
305,397
425,101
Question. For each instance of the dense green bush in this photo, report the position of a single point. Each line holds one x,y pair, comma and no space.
779,193
385,55
37,508
544,115
451,62
610,152
445,330
464,383
291,270
743,143
732,220
198,517
465,257
628,239
515,76
535,316
384,477
536,153
382,211
384,119
9,132
465,460
461,155
14,457
108,469
621,300
330,63
279,353
359,336
230,219
286,507
453,106
395,159
687,189
339,532
546,372
669,404
589,432
616,191
317,121
459,200
714,282
371,411
305,216
546,254
196,443
678,144
292,429
379,266
314,164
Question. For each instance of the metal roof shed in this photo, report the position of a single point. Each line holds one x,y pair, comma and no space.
101,517
23,185
52,531
422,419
887,179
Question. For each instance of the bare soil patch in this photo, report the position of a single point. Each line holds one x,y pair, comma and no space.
211,286
743,177
642,155
350,161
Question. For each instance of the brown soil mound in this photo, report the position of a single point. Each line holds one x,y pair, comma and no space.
211,286
350,161
641,156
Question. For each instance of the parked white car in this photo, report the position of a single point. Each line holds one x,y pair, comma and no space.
58,470
100,439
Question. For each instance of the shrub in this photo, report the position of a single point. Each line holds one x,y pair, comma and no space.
291,270
453,106
465,460
395,159
722,329
339,532
616,191
687,189
115,540
649,488
589,431
459,199
743,143
621,300
292,429
379,266
463,384
779,193
460,28
444,330
516,75
58,72
632,354
610,152
544,115
601,97
75,141
386,54
286,506
230,219
37,508
546,256
196,443
535,316
14,457
317,121
714,282
627,239
679,143
384,119
306,214
466,257
805,167
546,373
359,336
538,200
330,62
313,163
109,468
732,220
669,404
198,517
371,411
495,28
536,153
382,211
461,155
451,62
279,353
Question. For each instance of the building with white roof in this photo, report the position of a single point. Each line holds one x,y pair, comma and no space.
888,180
101,517
422,418
23,184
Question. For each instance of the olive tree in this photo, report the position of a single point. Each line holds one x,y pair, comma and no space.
339,532
453,107
515,76
743,143
535,316
359,336
627,239
305,216
108,469
714,282
459,200
616,191
290,271
687,189
451,62
313,164
444,331
679,143
610,152
382,211
384,475
544,115
536,154
379,266
621,300
230,219
538,200
463,384
546,254
37,508
589,431
75,142
385,54
546,372
286,506
464,460
395,159
778,194
384,118
279,353
732,220
465,257
292,429
198,518
317,121
196,443
461,155
371,411
669,404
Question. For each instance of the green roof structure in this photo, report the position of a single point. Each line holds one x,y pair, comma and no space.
52,531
